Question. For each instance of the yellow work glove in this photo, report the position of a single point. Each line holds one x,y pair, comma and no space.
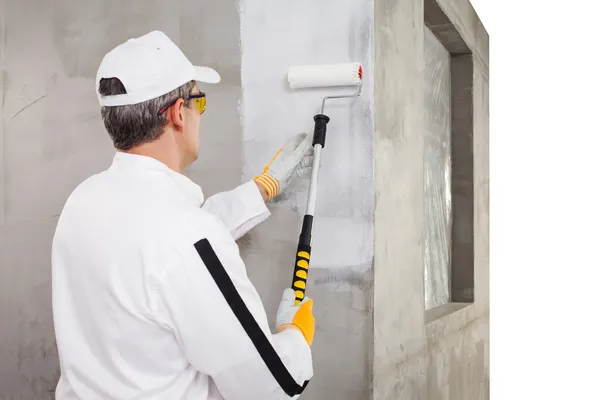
294,158
299,317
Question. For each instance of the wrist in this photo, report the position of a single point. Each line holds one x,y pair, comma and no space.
262,191
291,326
268,185
283,327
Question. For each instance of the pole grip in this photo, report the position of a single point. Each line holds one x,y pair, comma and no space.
320,129
302,259
301,272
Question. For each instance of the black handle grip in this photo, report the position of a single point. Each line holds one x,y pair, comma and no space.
320,129
302,259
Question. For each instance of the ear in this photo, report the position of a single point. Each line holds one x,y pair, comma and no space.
176,114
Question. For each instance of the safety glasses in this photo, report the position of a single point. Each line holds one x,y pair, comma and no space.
198,100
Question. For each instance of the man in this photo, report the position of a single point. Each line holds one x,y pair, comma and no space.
150,296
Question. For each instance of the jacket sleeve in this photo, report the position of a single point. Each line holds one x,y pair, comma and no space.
240,209
207,329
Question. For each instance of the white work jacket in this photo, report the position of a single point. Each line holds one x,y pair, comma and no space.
138,313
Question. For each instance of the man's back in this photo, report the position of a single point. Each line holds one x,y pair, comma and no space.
111,245
137,312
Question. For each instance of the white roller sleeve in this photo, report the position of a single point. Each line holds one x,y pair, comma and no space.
312,76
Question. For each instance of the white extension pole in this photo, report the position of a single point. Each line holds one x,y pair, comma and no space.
314,177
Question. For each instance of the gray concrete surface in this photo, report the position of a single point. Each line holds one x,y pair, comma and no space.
442,353
374,338
399,369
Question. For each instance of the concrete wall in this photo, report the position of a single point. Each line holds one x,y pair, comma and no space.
442,353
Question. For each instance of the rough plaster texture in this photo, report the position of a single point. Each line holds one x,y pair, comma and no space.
275,35
442,353
399,353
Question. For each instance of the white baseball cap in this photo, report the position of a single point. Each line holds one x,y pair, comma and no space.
149,66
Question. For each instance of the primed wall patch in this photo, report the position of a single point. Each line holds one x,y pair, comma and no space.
275,35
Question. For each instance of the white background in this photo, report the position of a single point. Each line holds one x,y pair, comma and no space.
545,202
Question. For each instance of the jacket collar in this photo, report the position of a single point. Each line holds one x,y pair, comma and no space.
127,161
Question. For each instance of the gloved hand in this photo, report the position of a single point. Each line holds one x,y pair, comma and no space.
299,317
294,158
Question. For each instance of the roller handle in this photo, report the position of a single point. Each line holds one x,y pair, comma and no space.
302,259
320,129
303,252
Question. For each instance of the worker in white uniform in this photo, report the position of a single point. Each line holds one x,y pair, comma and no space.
151,299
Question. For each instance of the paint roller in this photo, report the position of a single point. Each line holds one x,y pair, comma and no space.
306,77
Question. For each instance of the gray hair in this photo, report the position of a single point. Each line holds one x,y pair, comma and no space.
132,125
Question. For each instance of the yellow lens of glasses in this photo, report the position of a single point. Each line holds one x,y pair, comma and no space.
200,104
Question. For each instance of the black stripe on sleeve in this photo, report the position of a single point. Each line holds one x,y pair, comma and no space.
237,305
